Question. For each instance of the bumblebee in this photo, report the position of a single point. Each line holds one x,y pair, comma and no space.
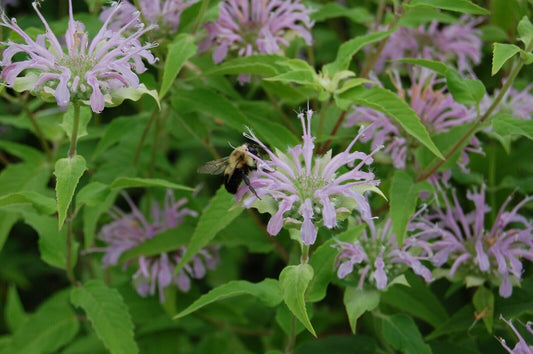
235,167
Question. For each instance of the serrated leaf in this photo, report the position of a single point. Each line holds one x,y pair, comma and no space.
217,215
403,196
505,124
68,172
52,326
179,51
416,299
92,194
210,103
133,182
294,281
501,53
483,301
390,104
402,333
108,314
462,6
525,31
267,291
15,315
68,121
301,77
465,91
42,204
166,241
358,301
349,48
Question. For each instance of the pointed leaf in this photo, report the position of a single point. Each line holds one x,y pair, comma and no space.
258,64
68,121
465,91
301,77
294,281
358,301
403,334
501,53
390,104
42,204
462,6
14,311
179,51
525,31
333,10
108,314
68,172
92,194
133,94
483,301
24,152
505,124
459,322
267,291
437,66
131,182
217,215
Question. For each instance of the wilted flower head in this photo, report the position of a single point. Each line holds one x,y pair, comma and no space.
89,71
165,14
257,26
476,253
437,109
521,347
131,230
458,44
379,258
306,190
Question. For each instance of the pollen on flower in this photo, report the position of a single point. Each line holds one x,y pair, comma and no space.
308,189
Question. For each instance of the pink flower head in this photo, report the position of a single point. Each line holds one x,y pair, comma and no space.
379,258
165,14
249,27
458,44
521,347
154,272
89,71
436,108
493,254
309,190
514,102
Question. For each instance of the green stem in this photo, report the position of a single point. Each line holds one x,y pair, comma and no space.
75,127
143,138
68,255
304,259
325,147
200,17
480,121
292,337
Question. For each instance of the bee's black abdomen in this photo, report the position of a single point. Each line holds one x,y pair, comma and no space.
233,181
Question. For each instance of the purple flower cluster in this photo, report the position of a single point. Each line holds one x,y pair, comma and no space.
380,259
249,27
165,14
456,43
89,71
521,347
437,109
514,102
307,191
476,253
154,272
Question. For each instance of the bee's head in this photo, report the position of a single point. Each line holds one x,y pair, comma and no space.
253,149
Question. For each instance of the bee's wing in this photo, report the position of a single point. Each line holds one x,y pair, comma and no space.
214,167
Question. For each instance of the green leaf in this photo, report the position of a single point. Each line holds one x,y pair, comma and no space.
501,53
349,48
210,103
390,104
267,291
264,65
7,220
132,182
417,300
272,133
465,91
403,196
15,315
42,204
179,51
505,124
130,93
434,65
459,322
108,314
339,344
68,172
525,31
334,10
217,215
92,194
52,326
166,241
358,301
462,6
116,130
91,214
402,333
68,121
301,77
294,281
483,301
52,244
24,152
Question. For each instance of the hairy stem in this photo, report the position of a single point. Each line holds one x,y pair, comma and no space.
75,127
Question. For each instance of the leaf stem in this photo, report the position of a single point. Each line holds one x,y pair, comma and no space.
75,127
38,131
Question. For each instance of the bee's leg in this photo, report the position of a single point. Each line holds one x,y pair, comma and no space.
247,182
